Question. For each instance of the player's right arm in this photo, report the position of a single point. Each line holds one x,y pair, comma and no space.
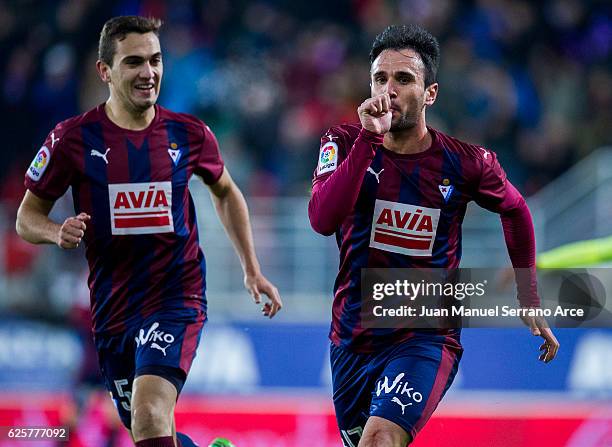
334,195
33,224
50,174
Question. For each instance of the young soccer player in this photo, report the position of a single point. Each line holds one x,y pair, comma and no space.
129,162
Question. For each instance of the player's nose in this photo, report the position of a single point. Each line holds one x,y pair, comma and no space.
391,90
147,71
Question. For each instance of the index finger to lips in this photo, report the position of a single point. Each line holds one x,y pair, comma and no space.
381,103
386,102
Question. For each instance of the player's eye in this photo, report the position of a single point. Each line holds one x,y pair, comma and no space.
380,80
132,62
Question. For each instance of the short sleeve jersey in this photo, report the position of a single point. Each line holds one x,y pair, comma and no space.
142,241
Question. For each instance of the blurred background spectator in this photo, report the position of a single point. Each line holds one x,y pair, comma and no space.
530,80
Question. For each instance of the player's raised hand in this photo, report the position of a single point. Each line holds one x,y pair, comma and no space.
375,113
258,284
72,231
539,327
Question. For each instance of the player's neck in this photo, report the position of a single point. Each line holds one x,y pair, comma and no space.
130,120
409,141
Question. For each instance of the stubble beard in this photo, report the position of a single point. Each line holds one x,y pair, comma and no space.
404,122
408,120
138,107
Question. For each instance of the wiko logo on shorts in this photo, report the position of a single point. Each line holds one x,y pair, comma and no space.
159,340
404,228
400,390
141,208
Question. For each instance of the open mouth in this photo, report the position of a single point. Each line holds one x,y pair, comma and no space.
145,88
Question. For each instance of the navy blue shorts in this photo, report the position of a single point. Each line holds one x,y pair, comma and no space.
403,384
164,345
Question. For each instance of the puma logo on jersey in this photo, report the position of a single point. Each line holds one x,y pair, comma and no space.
377,175
404,228
399,402
141,208
95,153
485,153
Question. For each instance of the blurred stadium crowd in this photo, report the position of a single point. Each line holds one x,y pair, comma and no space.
530,80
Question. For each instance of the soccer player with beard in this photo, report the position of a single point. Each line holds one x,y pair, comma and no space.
129,162
388,382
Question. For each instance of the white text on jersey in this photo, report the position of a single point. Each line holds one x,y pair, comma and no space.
141,208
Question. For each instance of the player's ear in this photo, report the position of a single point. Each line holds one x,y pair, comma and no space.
103,71
431,93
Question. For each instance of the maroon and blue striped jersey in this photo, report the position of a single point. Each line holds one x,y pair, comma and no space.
405,211
142,241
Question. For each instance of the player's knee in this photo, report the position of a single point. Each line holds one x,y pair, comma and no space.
150,420
380,438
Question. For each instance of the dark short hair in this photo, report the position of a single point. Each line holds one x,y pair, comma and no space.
398,37
118,28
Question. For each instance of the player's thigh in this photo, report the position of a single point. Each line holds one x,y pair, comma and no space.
352,386
380,432
413,382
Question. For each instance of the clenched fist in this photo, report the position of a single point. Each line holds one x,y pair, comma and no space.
72,231
375,113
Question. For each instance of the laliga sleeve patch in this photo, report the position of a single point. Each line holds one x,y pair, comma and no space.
328,158
39,164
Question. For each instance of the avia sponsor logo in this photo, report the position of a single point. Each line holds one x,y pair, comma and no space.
402,393
141,208
157,338
328,157
404,228
39,164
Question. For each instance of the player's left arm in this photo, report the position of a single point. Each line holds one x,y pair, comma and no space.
497,194
234,215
